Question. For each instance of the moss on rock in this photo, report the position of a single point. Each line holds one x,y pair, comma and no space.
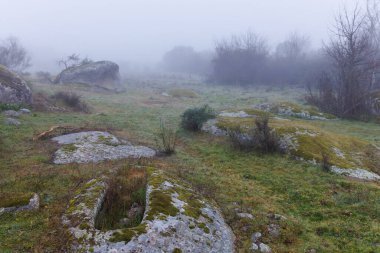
15,199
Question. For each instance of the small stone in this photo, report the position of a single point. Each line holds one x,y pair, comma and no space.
279,217
11,113
12,122
254,247
312,251
274,230
240,114
165,94
124,221
135,211
264,248
256,236
245,215
24,111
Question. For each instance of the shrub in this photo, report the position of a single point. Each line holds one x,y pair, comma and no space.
240,140
266,139
193,119
166,138
15,107
326,165
72,100
260,138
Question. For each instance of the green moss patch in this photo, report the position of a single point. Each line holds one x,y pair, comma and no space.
161,203
182,93
125,235
296,108
15,199
69,148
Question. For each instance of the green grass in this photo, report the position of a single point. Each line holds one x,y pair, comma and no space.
324,211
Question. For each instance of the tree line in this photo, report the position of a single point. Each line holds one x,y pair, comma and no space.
342,77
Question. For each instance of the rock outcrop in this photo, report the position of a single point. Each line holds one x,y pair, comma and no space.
348,156
95,146
101,73
176,219
13,89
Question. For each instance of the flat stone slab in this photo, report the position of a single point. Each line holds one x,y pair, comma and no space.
175,218
239,114
12,122
11,113
356,173
96,146
34,203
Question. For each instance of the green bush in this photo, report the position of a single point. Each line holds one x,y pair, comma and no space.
193,119
4,107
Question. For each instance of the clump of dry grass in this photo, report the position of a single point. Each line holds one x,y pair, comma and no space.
166,138
72,100
126,191
260,138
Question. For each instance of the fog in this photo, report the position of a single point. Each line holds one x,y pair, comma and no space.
140,32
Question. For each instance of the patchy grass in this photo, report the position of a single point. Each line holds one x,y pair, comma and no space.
182,93
325,212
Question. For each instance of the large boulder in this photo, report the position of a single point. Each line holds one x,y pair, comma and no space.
13,89
99,73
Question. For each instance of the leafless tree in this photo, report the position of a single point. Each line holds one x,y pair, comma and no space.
13,55
291,61
240,59
70,61
294,47
185,60
353,50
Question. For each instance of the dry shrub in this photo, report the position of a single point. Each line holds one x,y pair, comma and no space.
166,138
326,165
72,100
260,138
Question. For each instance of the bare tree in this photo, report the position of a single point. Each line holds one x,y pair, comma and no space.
240,59
13,55
354,54
70,61
184,59
291,61
294,47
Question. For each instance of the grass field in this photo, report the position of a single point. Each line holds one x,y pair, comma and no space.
323,211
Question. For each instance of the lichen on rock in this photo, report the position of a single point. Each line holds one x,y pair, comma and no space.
175,218
299,138
95,146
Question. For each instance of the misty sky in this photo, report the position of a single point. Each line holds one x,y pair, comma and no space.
141,31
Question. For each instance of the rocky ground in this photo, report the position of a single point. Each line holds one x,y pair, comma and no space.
294,135
175,219
270,202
